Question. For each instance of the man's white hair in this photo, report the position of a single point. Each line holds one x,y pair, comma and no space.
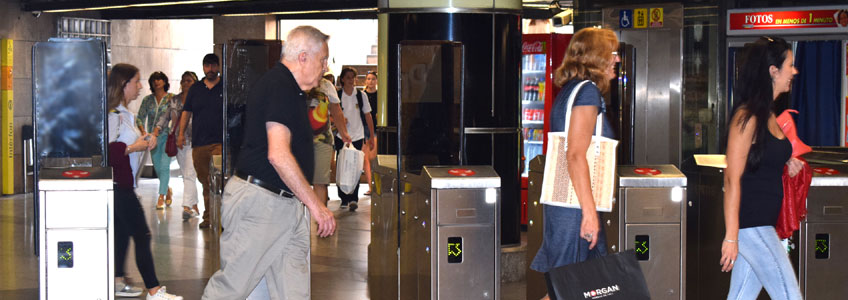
303,39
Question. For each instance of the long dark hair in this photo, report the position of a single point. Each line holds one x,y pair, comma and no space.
755,89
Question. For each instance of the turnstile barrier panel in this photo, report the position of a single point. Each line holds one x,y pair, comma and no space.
651,205
829,204
383,250
88,278
662,268
823,278
464,207
63,210
536,288
458,280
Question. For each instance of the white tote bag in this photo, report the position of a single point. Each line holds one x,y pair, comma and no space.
556,186
349,168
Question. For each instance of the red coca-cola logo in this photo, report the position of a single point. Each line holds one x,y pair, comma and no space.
76,174
532,47
825,171
461,172
647,171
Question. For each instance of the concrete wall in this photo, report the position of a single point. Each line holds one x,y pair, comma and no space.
176,46
170,46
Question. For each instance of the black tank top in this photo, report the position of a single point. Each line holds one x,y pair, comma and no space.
762,190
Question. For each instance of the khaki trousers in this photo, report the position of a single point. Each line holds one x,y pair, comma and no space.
266,235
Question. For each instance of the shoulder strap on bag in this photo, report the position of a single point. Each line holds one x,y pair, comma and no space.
570,105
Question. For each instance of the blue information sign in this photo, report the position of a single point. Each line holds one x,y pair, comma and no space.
625,18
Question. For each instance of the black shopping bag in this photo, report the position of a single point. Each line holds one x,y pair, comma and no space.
615,276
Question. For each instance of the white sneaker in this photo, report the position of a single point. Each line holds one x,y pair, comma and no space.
122,289
161,294
188,214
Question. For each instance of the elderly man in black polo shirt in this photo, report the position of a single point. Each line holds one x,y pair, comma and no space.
267,230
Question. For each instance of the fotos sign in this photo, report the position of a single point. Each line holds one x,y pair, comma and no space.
800,20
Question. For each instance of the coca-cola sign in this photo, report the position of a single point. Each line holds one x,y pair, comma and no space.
533,47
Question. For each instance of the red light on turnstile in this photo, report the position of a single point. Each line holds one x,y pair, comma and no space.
76,174
825,171
461,172
647,171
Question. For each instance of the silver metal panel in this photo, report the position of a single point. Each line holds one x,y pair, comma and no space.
473,278
669,176
414,238
830,175
464,206
383,250
663,269
650,205
824,278
536,287
827,204
657,111
483,177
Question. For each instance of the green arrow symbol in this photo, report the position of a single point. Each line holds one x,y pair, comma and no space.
821,246
641,247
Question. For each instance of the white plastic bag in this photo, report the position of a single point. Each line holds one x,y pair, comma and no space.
349,168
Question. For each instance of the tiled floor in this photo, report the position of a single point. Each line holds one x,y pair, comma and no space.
182,252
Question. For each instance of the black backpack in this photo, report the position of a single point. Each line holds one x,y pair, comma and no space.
359,107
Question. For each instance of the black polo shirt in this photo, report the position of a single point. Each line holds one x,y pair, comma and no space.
276,97
207,113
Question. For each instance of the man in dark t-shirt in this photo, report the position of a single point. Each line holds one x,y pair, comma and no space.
267,231
204,103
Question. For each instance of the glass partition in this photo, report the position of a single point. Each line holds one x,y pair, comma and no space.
430,107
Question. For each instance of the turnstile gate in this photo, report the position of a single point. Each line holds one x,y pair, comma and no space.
650,217
449,233
823,265
76,233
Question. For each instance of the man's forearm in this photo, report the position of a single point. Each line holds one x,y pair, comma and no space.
338,118
291,174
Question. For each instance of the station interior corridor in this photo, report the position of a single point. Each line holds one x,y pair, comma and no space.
182,252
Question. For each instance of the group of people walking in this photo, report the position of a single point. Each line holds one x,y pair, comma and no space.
272,170
757,151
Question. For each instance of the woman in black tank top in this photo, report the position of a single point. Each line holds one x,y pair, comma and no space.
757,151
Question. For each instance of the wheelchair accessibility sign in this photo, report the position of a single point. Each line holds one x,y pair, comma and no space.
625,18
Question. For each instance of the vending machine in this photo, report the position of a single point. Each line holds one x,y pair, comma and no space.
541,54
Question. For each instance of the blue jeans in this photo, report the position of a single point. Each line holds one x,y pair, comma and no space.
762,262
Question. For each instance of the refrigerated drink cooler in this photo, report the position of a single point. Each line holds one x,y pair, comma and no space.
76,234
823,263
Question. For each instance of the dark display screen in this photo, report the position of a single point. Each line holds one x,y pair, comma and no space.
642,247
66,254
822,246
454,250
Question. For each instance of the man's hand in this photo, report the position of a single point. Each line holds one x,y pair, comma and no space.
325,219
180,141
346,138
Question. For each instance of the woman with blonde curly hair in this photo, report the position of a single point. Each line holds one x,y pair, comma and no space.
573,235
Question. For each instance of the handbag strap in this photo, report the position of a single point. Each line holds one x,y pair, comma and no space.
176,123
570,105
